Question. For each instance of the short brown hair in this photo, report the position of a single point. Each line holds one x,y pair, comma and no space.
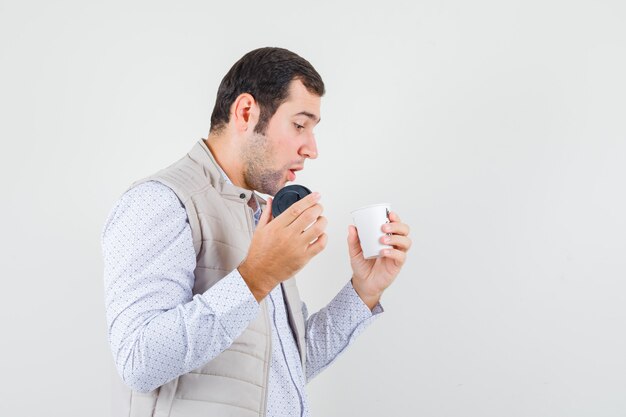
264,73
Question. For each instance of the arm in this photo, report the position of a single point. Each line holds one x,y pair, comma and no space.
332,329
158,329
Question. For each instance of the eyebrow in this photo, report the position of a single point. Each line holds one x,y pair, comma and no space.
309,115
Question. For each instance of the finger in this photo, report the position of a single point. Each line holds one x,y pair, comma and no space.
398,256
393,216
266,215
315,230
292,213
396,228
318,246
307,218
354,244
397,241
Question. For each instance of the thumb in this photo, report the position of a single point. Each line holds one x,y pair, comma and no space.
354,244
266,216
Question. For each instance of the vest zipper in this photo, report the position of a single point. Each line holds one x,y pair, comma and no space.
268,350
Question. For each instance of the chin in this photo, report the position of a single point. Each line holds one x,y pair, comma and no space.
269,184
280,185
271,191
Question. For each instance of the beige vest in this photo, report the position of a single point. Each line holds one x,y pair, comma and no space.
235,382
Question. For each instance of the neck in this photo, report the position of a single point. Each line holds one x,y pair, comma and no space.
228,157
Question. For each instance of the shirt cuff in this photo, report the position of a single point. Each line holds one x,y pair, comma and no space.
232,303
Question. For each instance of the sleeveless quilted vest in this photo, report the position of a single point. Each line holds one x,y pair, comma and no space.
235,382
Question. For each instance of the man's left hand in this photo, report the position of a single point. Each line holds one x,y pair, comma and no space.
372,276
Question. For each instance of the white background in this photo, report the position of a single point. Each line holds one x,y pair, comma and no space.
495,128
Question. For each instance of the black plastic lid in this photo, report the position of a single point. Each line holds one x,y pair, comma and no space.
286,196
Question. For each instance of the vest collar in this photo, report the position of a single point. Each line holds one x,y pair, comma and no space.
201,154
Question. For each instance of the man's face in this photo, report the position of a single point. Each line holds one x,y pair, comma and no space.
271,159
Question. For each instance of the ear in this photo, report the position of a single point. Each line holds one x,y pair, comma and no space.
244,112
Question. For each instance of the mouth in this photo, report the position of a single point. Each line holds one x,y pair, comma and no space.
291,173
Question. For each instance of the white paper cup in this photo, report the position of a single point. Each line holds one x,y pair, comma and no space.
369,221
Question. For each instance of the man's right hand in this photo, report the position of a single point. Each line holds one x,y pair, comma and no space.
281,247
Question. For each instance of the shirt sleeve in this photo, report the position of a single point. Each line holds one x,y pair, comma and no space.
335,327
158,329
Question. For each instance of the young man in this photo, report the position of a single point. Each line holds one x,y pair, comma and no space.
203,311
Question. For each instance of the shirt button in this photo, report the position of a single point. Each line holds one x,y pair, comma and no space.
242,196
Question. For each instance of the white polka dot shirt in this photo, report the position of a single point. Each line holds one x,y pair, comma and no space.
158,330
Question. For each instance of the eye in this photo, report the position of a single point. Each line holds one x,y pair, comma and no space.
299,127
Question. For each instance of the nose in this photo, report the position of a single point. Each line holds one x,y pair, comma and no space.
309,149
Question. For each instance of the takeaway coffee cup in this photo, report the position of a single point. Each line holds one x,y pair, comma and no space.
369,221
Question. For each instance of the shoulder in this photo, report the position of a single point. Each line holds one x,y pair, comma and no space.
150,198
151,192
146,205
